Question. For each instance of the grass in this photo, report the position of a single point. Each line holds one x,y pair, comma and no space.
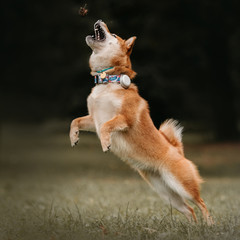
50,191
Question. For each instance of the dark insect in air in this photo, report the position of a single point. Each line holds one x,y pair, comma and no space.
83,10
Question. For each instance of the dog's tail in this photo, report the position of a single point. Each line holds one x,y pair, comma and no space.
172,131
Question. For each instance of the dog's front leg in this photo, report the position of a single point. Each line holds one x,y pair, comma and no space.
82,123
118,123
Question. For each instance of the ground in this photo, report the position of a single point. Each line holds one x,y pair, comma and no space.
49,190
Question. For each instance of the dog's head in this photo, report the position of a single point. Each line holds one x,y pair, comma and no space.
109,50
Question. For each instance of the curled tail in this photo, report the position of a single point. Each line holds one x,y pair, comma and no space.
172,131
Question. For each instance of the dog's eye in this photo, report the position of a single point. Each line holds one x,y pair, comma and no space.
114,35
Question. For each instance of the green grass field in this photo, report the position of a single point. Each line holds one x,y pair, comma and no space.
50,191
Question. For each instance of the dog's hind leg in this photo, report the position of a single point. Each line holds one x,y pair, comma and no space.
178,202
156,181
200,203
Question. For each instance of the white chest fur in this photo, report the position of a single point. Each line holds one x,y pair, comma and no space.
103,104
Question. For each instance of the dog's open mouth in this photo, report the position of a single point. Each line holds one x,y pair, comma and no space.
99,34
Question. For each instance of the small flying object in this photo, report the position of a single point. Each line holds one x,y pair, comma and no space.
83,11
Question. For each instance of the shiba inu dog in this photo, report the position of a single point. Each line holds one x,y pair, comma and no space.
120,117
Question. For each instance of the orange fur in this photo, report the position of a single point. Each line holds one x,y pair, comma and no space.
121,62
122,121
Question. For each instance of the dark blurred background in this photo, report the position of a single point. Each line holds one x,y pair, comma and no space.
187,56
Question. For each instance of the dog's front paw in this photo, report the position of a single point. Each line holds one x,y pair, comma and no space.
106,146
74,136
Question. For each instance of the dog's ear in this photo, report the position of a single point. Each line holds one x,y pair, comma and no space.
129,44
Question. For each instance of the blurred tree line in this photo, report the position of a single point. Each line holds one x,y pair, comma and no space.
187,56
